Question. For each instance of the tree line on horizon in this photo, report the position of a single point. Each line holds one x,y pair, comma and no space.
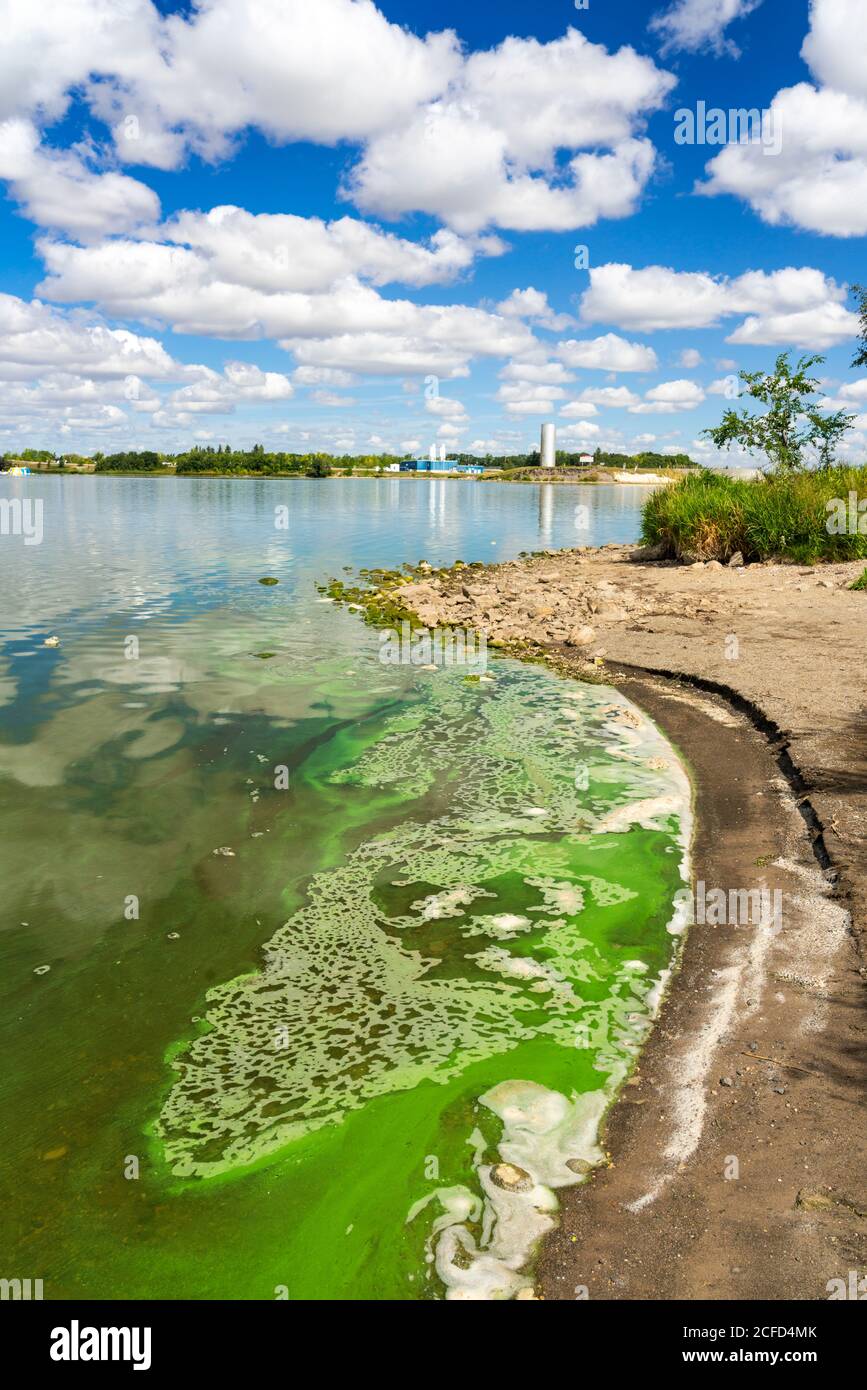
223,459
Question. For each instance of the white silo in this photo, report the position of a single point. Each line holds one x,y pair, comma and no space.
548,456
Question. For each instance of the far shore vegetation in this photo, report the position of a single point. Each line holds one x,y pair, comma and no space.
221,460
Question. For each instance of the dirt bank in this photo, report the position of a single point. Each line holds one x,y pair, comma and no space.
738,1148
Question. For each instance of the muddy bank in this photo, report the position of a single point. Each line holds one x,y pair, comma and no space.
737,1149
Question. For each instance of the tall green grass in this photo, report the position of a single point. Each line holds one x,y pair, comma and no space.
710,517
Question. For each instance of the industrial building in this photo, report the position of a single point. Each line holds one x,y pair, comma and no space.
439,466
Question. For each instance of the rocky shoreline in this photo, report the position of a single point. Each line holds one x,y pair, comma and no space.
735,1152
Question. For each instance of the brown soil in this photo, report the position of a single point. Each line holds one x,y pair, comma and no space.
737,1149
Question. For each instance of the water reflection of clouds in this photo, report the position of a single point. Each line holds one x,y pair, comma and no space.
130,554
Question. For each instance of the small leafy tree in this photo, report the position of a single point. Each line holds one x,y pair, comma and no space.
828,430
860,358
792,424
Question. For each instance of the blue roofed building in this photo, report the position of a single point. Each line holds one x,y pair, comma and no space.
427,465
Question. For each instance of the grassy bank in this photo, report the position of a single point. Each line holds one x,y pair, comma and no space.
708,517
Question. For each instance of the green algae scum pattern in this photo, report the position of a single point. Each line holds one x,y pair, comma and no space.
479,975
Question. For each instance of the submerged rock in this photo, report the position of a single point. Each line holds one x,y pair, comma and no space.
512,1178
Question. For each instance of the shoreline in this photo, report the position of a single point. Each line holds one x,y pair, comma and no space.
734,1171
600,477
728,1176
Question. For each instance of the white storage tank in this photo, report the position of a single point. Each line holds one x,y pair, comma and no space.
549,446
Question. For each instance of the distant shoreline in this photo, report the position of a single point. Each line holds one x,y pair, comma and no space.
562,478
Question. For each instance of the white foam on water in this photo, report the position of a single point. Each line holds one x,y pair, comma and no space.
542,1132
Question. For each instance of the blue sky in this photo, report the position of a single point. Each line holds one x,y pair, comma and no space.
340,225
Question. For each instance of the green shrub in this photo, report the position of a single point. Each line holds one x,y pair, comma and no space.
709,517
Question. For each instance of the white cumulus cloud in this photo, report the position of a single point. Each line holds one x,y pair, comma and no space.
693,25
818,180
59,188
608,353
485,152
798,306
669,397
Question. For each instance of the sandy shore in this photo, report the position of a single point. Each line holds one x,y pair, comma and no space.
737,1166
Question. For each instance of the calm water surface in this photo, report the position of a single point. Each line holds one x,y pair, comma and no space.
325,939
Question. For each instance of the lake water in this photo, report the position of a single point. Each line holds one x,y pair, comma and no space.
326,939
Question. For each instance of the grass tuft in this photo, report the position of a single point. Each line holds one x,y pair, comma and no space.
710,517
